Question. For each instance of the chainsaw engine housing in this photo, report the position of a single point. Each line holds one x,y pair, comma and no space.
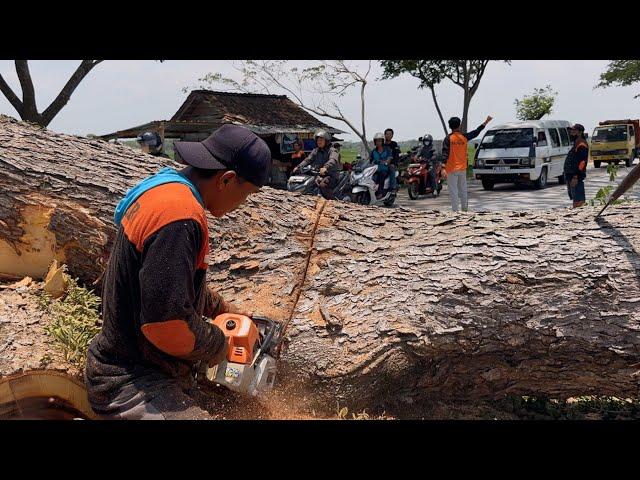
250,365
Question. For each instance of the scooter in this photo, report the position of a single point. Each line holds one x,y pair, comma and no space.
304,182
418,181
364,186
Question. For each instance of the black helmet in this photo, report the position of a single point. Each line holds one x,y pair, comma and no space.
150,138
427,139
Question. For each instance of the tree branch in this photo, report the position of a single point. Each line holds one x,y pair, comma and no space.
65,94
29,108
10,95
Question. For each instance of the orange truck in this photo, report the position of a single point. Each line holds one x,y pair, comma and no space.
615,141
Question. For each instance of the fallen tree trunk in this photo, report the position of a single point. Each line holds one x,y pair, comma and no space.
382,304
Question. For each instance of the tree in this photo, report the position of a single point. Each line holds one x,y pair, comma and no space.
424,71
622,73
317,88
536,105
466,74
27,108
512,312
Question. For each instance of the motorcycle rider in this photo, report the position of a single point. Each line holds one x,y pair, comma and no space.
327,160
395,153
151,142
382,156
427,154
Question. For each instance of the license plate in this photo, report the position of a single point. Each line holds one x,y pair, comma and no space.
501,169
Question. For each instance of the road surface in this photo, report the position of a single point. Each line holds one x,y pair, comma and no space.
511,197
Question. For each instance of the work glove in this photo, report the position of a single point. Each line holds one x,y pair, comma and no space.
220,355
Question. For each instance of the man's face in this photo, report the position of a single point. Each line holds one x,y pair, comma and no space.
296,147
378,142
388,135
145,148
224,192
573,133
321,142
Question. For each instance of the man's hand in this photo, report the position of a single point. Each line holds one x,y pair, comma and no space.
295,170
221,355
574,181
323,171
489,118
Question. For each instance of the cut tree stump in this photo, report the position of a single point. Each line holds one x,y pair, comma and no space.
382,305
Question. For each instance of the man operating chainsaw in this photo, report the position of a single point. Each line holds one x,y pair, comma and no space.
155,298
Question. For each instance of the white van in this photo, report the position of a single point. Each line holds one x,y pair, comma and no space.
523,152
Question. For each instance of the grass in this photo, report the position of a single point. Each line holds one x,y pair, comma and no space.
75,321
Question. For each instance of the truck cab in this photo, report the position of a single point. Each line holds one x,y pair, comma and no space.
615,141
529,152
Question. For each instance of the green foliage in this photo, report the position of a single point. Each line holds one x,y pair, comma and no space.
75,321
604,192
577,408
621,73
536,105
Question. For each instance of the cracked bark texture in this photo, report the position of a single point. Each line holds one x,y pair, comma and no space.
382,305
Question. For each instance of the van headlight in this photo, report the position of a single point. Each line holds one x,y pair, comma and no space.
480,162
526,162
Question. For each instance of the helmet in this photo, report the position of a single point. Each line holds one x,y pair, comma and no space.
427,139
152,139
323,134
378,136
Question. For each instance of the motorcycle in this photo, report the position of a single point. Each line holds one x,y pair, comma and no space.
365,186
304,182
418,181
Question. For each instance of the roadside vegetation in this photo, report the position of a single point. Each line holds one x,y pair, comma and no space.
74,321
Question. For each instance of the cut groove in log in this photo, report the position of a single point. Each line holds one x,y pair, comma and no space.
385,304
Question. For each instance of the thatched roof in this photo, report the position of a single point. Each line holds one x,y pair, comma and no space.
206,110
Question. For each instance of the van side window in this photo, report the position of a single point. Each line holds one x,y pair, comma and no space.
555,139
542,139
631,132
564,136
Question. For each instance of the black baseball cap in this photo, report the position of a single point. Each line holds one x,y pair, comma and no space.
230,147
577,126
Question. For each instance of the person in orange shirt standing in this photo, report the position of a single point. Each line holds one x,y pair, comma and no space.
454,153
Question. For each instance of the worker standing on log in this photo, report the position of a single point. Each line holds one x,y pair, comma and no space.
454,153
575,165
155,297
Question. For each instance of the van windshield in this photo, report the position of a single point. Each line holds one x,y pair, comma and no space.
610,134
508,138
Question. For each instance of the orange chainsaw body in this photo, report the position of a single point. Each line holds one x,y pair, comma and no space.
242,335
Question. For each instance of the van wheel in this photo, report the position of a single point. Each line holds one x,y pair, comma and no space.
561,179
541,182
487,184
596,163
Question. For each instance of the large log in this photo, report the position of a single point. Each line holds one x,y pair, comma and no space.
381,304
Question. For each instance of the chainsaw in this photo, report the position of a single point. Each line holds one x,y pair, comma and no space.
250,365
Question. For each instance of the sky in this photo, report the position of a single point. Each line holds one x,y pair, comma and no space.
120,94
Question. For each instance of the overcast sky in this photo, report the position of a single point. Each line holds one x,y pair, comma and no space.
122,94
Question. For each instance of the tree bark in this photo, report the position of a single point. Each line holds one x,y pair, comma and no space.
381,305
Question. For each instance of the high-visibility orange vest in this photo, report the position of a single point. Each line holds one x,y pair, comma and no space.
457,152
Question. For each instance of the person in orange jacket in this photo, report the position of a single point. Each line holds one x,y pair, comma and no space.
454,153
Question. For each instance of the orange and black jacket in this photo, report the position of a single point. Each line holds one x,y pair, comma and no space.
154,298
454,149
576,161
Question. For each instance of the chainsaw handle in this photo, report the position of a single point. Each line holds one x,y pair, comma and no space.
273,326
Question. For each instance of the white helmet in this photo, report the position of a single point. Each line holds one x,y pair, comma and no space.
378,136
